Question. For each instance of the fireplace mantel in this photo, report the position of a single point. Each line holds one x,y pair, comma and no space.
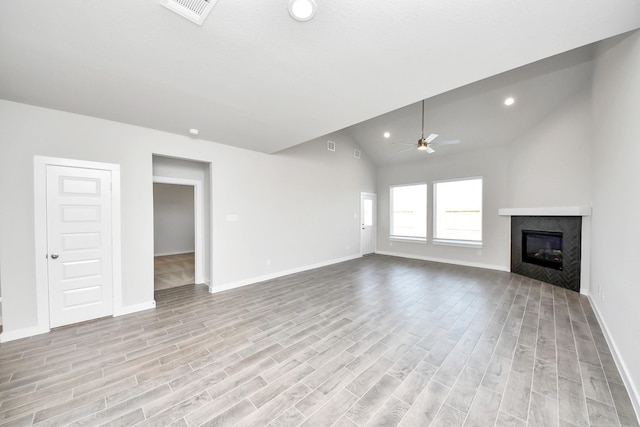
550,211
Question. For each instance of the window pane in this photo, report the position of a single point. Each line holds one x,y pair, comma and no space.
409,211
458,210
367,215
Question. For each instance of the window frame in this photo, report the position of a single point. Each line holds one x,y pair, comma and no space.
410,239
457,242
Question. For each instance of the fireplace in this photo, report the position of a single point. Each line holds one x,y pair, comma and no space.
547,248
542,248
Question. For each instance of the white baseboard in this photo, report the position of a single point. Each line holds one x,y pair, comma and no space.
632,389
447,261
174,253
7,336
121,311
270,276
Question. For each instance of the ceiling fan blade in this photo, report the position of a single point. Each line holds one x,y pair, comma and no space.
451,142
406,149
429,150
404,143
431,137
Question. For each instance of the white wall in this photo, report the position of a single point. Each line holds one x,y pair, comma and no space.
491,165
295,208
616,199
173,219
549,166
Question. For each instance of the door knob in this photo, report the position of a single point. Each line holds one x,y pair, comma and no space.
54,256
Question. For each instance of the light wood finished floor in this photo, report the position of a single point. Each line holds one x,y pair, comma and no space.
171,271
374,341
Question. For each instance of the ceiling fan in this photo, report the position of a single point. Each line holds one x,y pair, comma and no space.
424,144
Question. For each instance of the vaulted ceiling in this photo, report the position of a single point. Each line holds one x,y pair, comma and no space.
252,77
475,114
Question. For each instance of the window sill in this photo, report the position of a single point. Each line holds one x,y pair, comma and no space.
419,240
459,243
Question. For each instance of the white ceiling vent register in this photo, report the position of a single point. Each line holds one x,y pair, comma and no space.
331,146
194,10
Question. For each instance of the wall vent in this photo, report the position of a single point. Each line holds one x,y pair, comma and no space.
193,10
356,153
331,146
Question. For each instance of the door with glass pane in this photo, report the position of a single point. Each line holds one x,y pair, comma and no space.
368,220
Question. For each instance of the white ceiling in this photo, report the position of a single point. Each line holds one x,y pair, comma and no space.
475,114
252,77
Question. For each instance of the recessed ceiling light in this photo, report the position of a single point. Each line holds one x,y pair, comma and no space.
302,10
387,134
509,101
194,131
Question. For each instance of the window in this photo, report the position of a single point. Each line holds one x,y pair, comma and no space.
367,214
458,210
409,212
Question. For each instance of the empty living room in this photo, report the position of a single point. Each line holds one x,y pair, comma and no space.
319,213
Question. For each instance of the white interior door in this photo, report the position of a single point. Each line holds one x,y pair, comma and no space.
368,217
79,242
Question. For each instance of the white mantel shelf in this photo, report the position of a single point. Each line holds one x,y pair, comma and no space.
551,211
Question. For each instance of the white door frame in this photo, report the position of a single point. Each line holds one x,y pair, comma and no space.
198,220
40,164
375,220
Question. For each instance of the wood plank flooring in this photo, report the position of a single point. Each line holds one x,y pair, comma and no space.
375,341
171,271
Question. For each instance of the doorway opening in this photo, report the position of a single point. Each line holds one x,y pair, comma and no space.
181,222
174,244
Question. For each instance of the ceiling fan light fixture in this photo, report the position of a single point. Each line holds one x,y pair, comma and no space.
424,144
302,10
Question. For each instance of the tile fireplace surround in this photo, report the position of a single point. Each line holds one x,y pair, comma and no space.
565,220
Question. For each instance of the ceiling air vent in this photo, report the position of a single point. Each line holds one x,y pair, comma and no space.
331,146
194,10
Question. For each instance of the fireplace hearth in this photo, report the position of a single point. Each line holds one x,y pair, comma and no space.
547,248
